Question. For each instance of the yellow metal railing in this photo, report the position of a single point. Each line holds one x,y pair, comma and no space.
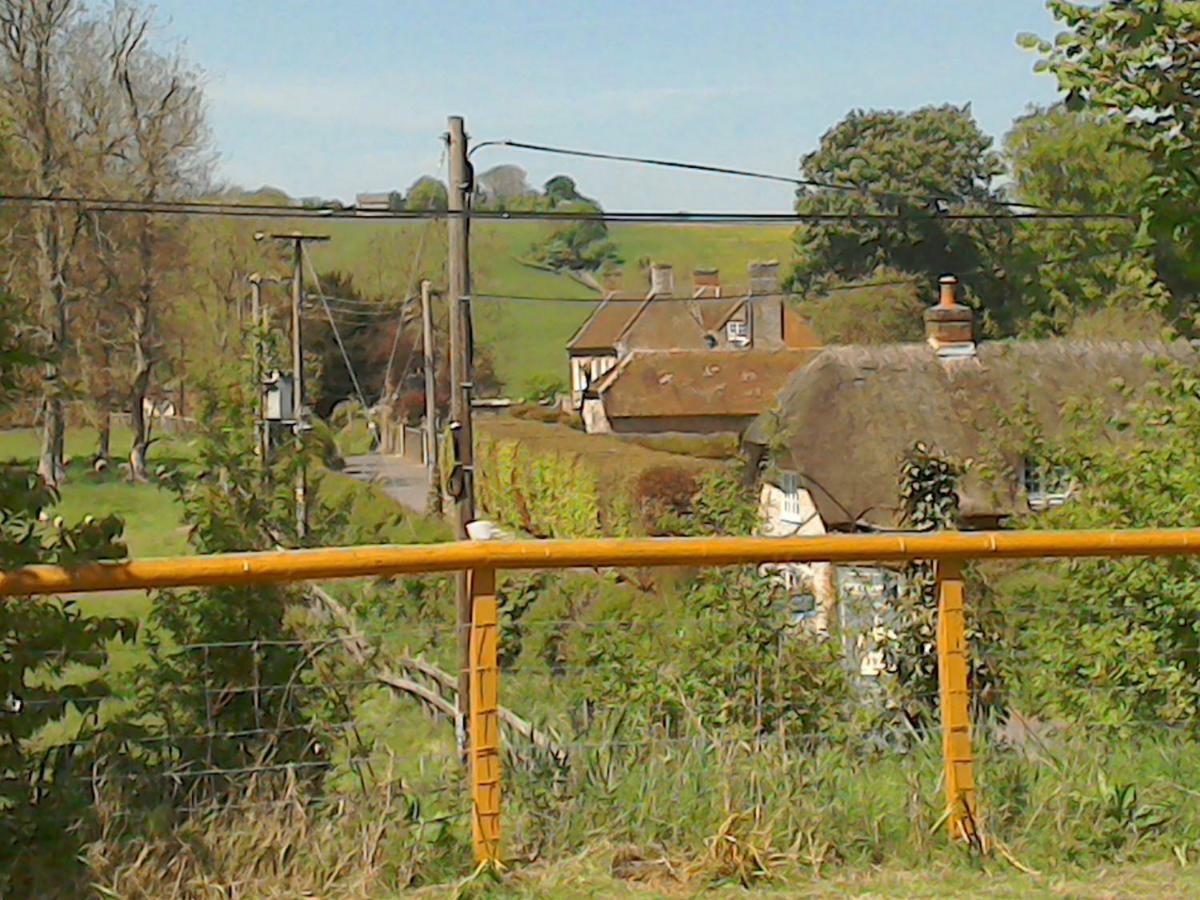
482,559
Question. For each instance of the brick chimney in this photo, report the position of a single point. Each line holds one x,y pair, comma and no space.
949,326
766,305
662,280
706,283
611,281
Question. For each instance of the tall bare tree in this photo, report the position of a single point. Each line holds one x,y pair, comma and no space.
160,105
34,48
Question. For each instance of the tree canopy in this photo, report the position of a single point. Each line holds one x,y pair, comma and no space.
912,164
1137,60
1078,161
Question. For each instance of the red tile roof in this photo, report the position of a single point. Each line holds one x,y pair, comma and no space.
698,382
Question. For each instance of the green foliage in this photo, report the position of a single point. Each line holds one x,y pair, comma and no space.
915,164
1135,60
552,481
929,500
545,388
225,685
426,193
578,246
51,664
1113,642
1079,162
887,308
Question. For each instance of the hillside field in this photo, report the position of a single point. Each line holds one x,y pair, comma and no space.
528,339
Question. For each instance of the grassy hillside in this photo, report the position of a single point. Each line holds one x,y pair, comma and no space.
527,339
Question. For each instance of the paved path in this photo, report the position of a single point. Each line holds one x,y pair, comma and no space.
404,481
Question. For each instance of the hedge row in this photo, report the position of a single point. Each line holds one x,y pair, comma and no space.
552,481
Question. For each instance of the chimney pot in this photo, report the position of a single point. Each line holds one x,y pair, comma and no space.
947,288
662,280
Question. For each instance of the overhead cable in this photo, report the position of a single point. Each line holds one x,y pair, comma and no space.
746,173
336,333
205,208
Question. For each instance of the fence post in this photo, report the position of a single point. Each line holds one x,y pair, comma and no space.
484,731
955,702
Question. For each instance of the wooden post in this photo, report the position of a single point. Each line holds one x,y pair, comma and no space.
296,239
259,354
431,408
485,718
458,265
955,703
298,386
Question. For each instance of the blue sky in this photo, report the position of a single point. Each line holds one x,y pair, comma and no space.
332,97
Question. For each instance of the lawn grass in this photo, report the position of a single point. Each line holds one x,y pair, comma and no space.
591,875
153,524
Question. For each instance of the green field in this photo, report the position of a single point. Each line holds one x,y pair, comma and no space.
528,338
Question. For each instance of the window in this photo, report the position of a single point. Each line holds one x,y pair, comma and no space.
738,331
789,484
579,379
1046,485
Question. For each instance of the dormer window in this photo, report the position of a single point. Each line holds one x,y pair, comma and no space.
1046,485
738,332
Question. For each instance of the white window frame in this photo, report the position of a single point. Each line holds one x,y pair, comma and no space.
1047,486
737,331
789,504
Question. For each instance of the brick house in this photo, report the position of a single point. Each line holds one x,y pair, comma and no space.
705,361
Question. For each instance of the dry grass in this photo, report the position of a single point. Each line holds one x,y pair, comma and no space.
271,842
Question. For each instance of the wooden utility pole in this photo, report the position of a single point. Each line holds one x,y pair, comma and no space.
296,239
431,431
462,480
256,315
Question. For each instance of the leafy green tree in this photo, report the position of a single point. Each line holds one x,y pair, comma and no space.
720,652
1113,643
1079,162
51,665
917,165
427,193
561,189
579,245
227,685
886,307
1136,59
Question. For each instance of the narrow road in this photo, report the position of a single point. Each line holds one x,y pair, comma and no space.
404,481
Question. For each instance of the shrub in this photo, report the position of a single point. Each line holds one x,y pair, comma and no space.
662,493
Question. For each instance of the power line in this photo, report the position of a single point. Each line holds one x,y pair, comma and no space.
731,297
663,163
206,208
336,333
748,173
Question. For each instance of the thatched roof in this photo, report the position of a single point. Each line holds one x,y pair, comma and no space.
846,420
697,382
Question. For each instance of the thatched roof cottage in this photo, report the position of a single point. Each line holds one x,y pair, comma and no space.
842,423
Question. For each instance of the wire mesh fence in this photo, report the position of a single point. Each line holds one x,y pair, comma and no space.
701,709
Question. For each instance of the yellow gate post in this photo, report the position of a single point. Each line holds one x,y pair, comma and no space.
955,701
484,732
